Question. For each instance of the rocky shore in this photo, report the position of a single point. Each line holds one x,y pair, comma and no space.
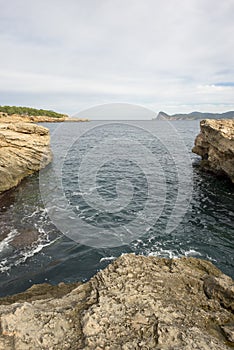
135,303
16,118
24,149
215,144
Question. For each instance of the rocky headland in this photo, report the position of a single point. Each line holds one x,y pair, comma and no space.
215,144
135,303
16,118
24,149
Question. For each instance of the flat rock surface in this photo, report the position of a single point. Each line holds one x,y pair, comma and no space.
24,149
215,144
135,303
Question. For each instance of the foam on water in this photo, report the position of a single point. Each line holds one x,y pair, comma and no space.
107,258
4,244
21,256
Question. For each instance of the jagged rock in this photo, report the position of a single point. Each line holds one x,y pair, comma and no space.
24,149
135,303
215,144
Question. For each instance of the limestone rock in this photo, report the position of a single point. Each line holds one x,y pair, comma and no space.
24,149
16,118
215,144
135,303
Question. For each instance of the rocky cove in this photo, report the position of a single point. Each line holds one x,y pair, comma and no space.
136,302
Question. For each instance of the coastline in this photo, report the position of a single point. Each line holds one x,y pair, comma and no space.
145,302
16,118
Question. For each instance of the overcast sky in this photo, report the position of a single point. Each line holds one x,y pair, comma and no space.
170,55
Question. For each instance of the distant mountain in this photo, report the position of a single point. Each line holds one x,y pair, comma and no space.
195,115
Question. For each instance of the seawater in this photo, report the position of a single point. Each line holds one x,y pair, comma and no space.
35,249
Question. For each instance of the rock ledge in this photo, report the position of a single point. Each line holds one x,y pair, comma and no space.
135,303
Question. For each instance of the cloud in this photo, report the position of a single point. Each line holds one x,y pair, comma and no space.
165,55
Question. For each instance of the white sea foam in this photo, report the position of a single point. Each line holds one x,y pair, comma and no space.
167,253
210,258
164,253
4,244
107,258
22,256
192,252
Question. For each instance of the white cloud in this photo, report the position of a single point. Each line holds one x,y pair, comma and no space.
165,55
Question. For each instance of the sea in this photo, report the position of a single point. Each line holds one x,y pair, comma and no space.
114,187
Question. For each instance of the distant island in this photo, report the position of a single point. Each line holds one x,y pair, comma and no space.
195,116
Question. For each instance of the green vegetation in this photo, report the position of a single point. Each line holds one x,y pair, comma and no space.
29,111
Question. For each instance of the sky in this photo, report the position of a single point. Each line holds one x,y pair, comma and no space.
170,55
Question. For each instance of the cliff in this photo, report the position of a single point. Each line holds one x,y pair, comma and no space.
135,303
24,149
215,144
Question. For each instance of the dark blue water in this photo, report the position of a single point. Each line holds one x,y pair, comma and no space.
137,173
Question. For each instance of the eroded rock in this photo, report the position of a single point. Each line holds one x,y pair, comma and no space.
24,149
215,144
135,303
